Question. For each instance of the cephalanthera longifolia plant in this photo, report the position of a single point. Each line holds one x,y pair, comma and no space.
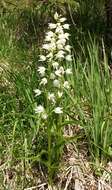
54,70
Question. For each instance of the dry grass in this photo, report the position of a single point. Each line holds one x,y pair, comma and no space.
4,68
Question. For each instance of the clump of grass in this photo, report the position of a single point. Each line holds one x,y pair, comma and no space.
92,100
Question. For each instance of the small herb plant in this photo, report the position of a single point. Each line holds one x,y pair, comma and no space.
54,70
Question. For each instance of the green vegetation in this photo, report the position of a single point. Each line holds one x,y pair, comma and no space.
32,147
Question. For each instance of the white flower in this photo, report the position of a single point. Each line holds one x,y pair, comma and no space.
50,55
53,40
61,36
58,24
61,42
52,25
59,29
60,94
66,35
51,97
66,26
58,110
68,48
60,71
41,70
39,109
56,16
66,85
42,58
68,71
46,46
68,58
44,116
56,83
59,46
60,54
63,19
49,36
37,92
55,65
52,76
53,45
43,81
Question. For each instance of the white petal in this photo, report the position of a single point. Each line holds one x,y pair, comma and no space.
53,45
66,35
60,46
56,83
37,92
52,25
39,109
55,65
43,81
58,110
58,73
68,71
60,94
68,48
59,29
42,58
68,58
41,70
56,16
63,19
51,97
50,34
66,26
61,41
66,85
46,46
44,116
50,55
60,54
61,70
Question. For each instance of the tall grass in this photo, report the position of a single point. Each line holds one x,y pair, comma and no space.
92,101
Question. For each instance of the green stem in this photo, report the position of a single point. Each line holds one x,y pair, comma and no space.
49,156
